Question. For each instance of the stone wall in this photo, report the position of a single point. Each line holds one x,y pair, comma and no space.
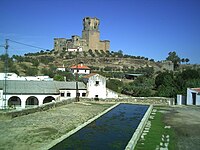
138,100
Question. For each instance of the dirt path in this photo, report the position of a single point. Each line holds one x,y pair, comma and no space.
33,131
186,122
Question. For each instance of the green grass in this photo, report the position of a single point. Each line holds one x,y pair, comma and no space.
154,136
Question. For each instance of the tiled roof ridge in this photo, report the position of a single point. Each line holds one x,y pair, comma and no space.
79,66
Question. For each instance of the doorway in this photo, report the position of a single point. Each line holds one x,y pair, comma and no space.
194,98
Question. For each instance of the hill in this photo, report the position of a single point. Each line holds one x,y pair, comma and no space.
97,60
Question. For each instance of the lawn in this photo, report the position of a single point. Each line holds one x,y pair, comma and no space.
157,134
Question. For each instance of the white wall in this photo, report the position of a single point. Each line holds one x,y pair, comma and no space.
23,99
13,76
190,99
81,71
65,94
96,89
111,94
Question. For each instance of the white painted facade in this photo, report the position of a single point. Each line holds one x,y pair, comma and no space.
193,96
37,100
23,94
67,94
96,87
181,100
111,94
62,68
14,76
80,71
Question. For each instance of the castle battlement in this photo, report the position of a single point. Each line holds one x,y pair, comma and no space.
90,38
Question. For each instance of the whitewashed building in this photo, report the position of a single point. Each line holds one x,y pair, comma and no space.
193,96
14,76
96,87
80,69
22,94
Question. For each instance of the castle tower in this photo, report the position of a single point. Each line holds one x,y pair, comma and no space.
91,32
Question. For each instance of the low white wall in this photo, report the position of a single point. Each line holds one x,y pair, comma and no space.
132,143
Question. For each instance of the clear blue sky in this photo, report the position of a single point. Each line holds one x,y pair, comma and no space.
150,28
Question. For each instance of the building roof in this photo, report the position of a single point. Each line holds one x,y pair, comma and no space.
134,74
38,87
89,75
196,89
80,66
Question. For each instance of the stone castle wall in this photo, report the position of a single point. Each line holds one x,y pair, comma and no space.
90,38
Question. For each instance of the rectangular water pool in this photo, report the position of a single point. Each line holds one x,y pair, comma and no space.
111,131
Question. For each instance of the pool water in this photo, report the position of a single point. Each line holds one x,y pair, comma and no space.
111,131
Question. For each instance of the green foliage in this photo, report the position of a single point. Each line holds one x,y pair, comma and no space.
58,77
114,85
107,68
146,71
174,58
141,86
91,53
48,72
46,59
168,84
35,62
31,71
160,78
85,54
18,58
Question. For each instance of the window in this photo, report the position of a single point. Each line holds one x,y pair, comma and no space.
97,83
96,97
83,94
62,94
68,94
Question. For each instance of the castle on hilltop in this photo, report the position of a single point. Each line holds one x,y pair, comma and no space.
90,39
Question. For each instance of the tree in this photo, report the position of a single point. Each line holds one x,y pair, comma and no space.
58,78
174,58
187,60
114,85
183,60
161,78
31,71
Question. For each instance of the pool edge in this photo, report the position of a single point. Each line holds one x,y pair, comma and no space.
133,141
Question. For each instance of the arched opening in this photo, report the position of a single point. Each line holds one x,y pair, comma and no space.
48,99
32,100
14,101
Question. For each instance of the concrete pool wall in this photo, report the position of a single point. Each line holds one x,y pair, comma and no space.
133,141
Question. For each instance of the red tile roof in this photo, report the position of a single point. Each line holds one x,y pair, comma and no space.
89,75
80,66
196,89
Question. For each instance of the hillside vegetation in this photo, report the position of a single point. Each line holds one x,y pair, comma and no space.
159,78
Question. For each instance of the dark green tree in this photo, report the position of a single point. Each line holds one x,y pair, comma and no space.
172,56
